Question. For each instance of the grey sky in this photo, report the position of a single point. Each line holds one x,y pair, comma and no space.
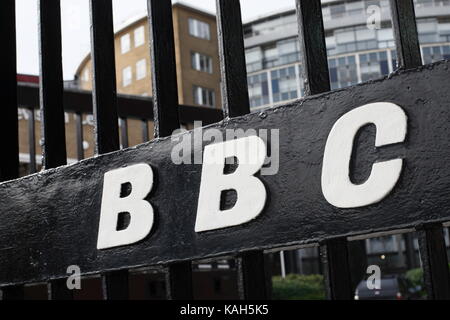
75,15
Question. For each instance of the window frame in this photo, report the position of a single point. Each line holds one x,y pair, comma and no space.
124,77
125,39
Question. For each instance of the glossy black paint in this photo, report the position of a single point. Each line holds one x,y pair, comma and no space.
9,161
405,31
50,220
58,290
104,77
166,111
335,261
252,277
313,48
317,80
433,254
235,100
51,85
164,73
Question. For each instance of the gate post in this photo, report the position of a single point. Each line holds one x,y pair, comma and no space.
433,254
336,269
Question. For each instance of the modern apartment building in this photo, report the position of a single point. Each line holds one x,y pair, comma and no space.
359,40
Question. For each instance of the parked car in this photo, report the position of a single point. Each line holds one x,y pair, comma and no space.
391,288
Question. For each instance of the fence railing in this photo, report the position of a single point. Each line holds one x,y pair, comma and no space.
108,108
78,105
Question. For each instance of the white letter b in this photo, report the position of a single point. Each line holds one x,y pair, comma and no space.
140,177
251,193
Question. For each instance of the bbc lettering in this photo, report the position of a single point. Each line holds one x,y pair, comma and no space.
337,188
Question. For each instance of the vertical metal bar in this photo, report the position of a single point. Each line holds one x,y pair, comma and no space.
165,89
104,77
313,48
166,117
405,31
235,100
145,135
32,140
13,293
57,290
434,261
51,85
80,136
179,281
124,132
51,91
333,252
252,280
9,161
115,285
334,255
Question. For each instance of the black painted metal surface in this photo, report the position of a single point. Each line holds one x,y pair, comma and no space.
9,161
115,285
178,278
252,277
313,48
124,132
104,82
13,293
56,213
164,73
166,120
235,100
317,80
405,31
335,260
80,135
58,290
433,254
32,141
51,85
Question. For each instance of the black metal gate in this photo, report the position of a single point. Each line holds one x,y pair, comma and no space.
49,220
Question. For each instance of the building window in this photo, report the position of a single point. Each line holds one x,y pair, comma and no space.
258,90
139,37
125,43
85,76
284,84
141,69
288,51
126,76
204,97
343,72
201,62
435,53
253,58
373,65
199,29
